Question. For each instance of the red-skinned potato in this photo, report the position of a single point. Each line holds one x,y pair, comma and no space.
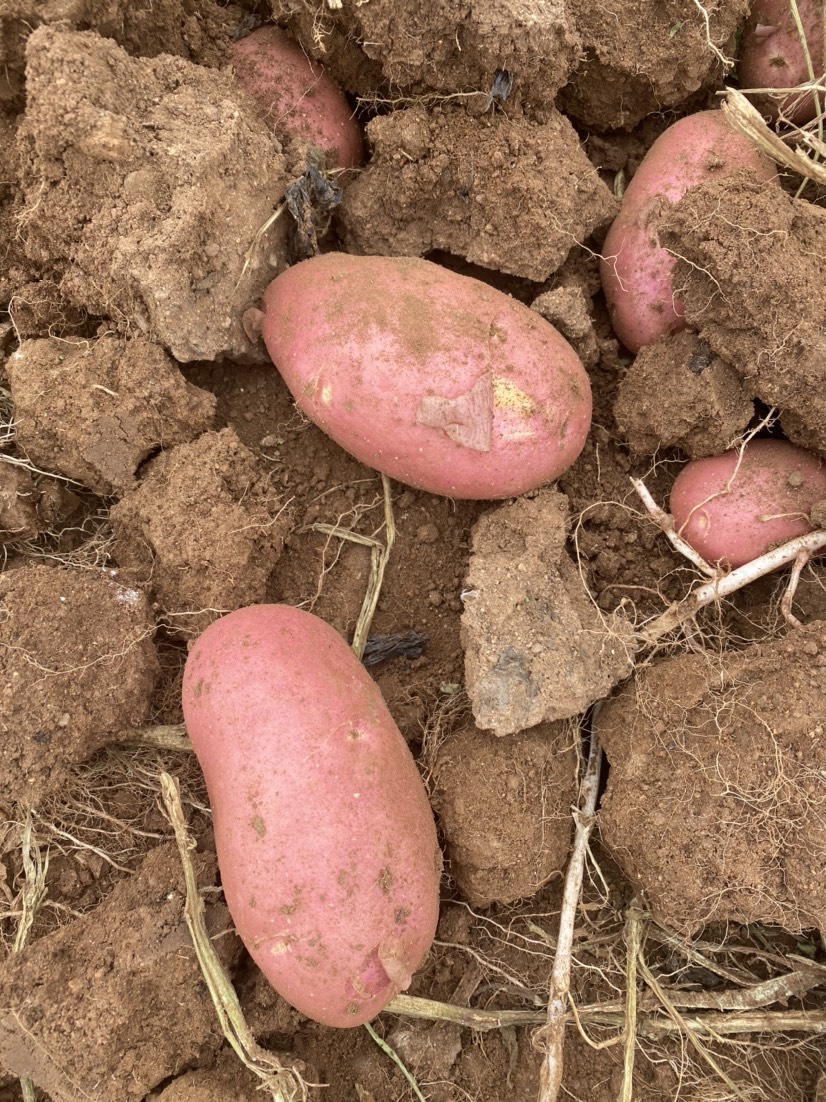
771,54
295,96
732,514
636,271
326,842
431,377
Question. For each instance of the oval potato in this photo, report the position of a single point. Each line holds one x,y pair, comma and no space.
325,838
771,54
733,513
635,270
431,377
294,95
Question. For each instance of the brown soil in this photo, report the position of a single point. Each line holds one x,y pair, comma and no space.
723,757
95,410
425,188
769,323
78,668
154,473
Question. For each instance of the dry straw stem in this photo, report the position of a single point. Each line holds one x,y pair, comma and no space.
723,586
379,556
35,867
553,1034
394,1056
249,255
633,941
284,1083
748,121
169,736
711,1024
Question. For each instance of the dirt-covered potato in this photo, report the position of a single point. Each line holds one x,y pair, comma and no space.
433,378
295,97
636,270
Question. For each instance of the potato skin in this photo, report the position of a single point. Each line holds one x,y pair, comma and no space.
774,480
771,54
325,838
431,377
295,96
635,270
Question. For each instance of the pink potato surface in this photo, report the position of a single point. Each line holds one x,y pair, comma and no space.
771,54
732,514
433,378
326,842
636,271
294,95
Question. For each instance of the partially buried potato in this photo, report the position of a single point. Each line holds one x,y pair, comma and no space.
326,842
733,507
295,97
431,377
636,271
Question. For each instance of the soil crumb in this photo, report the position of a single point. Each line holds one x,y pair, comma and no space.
715,801
450,47
752,283
203,530
678,394
65,689
112,1004
95,410
536,648
505,809
642,57
426,188
145,182
18,505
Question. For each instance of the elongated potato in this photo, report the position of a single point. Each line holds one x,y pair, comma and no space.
431,377
326,841
635,270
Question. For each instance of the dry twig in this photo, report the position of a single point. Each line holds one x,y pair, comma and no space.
284,1082
746,119
553,1034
